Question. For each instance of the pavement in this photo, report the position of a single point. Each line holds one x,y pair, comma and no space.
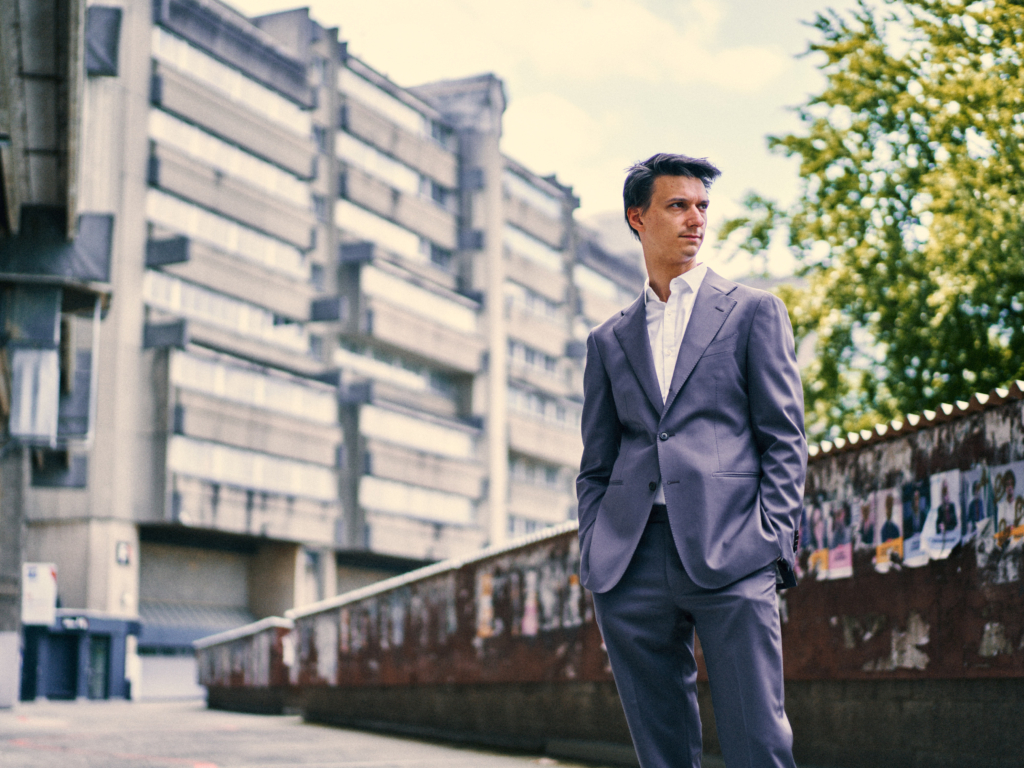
119,734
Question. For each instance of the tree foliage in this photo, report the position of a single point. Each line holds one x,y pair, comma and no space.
910,223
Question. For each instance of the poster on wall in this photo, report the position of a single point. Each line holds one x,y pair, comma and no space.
889,522
915,496
942,525
817,539
1006,489
840,548
865,533
977,503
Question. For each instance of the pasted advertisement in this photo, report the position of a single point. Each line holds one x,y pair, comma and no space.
916,497
889,523
942,526
996,514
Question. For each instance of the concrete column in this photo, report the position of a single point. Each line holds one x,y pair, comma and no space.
12,483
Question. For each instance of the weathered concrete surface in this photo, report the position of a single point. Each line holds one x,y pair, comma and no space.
186,735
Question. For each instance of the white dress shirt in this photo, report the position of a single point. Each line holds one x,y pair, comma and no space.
666,324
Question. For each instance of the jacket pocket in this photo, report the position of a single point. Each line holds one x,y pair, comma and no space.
735,474
721,346
614,482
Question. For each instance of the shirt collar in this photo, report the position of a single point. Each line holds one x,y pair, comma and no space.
692,278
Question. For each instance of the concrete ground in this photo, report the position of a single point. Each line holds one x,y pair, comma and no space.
117,734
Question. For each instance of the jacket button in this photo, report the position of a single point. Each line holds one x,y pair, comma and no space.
663,435
652,485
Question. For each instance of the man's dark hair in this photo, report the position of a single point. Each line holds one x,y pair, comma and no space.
639,186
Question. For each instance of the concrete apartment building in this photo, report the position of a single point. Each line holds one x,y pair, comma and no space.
345,340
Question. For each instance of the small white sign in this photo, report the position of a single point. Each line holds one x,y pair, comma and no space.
38,593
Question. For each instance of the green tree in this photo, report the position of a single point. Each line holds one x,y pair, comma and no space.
910,222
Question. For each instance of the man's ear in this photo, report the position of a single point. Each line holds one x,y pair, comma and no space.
634,214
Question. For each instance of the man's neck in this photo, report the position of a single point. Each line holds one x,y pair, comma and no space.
661,282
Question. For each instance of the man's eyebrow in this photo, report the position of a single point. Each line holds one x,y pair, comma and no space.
685,199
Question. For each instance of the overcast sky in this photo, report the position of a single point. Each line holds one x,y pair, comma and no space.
595,85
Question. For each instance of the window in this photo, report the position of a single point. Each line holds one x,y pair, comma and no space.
376,282
219,463
531,248
564,413
418,434
516,186
215,377
532,472
228,158
179,297
534,359
380,100
593,281
532,302
321,209
352,151
388,235
174,51
414,501
208,227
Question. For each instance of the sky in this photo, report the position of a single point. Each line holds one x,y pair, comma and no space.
595,85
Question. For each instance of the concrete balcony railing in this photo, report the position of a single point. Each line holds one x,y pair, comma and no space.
425,156
177,173
537,502
547,334
199,503
210,418
550,442
529,219
441,473
536,277
177,93
423,217
231,275
417,334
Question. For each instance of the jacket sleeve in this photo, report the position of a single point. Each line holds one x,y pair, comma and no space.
601,437
777,419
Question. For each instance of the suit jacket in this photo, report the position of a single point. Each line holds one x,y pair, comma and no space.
728,442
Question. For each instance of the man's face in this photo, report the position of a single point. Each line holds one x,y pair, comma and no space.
672,228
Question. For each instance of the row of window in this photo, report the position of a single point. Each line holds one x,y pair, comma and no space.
395,110
532,302
367,225
393,289
540,406
590,280
173,50
524,470
376,363
413,501
249,387
228,158
516,186
248,469
519,242
532,358
224,234
178,297
418,434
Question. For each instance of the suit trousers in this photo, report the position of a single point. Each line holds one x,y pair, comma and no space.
648,620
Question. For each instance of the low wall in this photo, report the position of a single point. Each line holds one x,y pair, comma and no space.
905,655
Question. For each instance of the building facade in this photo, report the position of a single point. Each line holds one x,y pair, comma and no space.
346,340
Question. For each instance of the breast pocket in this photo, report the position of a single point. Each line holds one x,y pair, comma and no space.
721,346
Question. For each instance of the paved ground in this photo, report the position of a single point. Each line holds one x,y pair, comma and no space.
186,735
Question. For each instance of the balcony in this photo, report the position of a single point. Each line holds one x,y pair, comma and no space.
547,334
440,473
596,309
421,540
425,156
544,440
217,420
536,277
199,503
200,263
424,217
540,503
198,104
529,219
177,173
248,348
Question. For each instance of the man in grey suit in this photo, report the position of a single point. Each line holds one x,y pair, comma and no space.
690,485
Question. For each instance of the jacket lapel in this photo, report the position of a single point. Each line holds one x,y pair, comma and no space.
631,331
710,309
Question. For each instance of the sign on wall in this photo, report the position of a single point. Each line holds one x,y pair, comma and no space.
38,593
